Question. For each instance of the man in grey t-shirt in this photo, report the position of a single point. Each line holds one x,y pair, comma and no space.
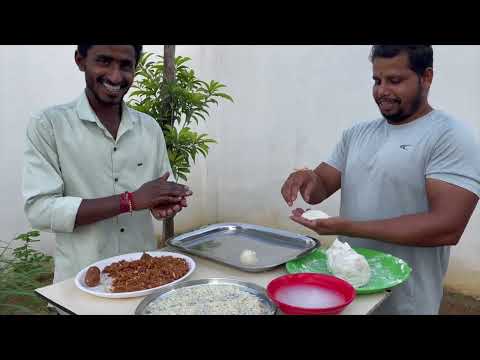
409,181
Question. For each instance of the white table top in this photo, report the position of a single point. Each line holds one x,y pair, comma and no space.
69,298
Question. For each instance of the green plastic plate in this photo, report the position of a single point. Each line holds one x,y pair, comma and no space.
387,270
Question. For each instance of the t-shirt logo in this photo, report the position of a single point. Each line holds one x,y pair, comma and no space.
405,147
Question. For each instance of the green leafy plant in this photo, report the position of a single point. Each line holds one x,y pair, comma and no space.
176,105
22,270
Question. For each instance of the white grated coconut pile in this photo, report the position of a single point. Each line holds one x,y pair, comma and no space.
207,300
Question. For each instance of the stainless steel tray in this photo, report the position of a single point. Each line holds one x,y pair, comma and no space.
245,286
225,242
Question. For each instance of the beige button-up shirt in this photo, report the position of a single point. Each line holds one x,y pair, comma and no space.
71,156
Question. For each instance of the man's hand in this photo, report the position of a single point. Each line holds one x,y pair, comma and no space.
330,226
450,208
160,192
303,181
163,197
314,185
162,212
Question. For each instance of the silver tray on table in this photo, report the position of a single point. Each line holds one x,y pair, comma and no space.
225,242
253,289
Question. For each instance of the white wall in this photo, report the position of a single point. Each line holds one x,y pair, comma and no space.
291,105
32,78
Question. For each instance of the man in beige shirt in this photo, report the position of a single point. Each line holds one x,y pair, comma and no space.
94,168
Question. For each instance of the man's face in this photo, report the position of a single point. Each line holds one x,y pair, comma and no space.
109,71
398,91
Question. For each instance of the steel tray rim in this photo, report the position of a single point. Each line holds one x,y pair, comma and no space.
254,289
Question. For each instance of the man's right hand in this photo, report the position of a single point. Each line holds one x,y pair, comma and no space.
162,212
159,192
303,181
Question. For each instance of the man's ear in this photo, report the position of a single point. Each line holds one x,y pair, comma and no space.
427,77
80,61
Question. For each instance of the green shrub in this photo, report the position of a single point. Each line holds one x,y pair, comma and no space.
22,270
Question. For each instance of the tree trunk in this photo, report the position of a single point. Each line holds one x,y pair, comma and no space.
169,63
169,76
168,229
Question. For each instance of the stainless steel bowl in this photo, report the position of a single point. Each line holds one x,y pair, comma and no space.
245,286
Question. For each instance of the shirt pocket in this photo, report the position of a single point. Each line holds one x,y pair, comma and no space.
139,170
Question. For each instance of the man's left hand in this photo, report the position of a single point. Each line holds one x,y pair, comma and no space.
330,226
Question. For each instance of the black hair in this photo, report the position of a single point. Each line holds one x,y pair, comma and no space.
420,57
83,50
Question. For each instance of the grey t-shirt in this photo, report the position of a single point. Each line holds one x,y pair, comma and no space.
384,168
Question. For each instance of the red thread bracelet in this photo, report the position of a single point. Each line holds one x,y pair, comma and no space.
131,204
126,202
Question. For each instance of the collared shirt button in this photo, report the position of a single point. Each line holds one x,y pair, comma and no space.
115,149
116,179
122,230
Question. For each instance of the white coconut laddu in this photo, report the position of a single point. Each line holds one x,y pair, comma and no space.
315,215
248,257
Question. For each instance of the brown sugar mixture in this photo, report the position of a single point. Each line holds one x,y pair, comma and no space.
146,273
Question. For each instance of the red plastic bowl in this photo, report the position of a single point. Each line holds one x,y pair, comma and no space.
325,282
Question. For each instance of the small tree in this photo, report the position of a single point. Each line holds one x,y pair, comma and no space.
176,101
